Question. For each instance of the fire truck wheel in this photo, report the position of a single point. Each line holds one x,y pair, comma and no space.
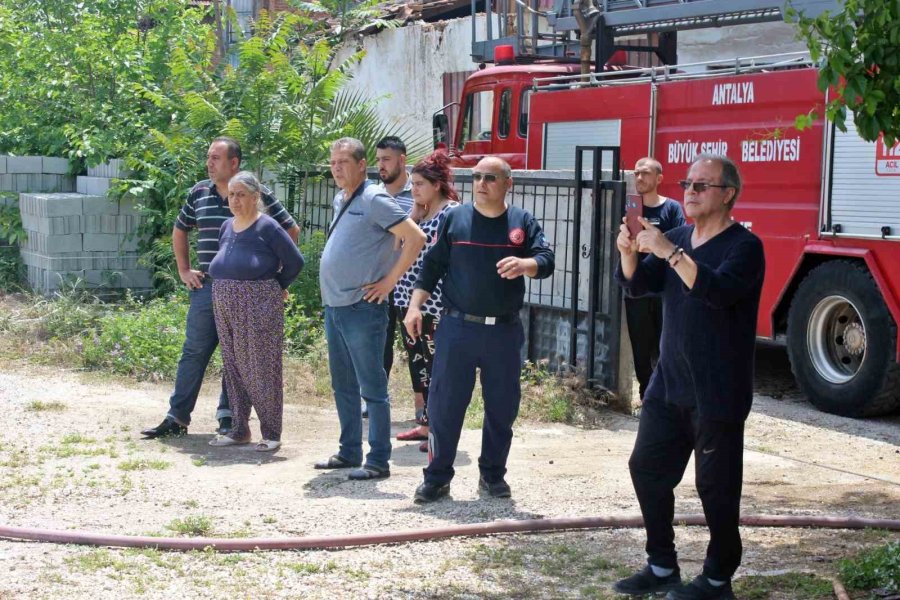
841,341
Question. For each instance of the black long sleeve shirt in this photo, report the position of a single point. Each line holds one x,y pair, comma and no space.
466,254
709,331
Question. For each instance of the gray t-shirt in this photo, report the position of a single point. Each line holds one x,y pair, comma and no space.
360,249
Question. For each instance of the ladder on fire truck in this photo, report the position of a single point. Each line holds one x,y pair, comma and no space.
539,33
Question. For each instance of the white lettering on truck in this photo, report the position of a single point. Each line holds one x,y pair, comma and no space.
684,152
781,150
733,93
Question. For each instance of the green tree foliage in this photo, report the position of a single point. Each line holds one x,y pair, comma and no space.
67,69
859,50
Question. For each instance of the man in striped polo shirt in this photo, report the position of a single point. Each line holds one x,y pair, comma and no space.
205,210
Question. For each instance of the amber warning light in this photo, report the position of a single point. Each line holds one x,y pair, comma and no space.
504,55
887,159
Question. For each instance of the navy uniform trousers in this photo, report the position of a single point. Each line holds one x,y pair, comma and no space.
461,347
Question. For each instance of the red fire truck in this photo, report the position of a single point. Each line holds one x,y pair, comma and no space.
825,203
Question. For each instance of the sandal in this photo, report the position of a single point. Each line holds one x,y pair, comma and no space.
369,472
224,440
412,435
267,445
335,461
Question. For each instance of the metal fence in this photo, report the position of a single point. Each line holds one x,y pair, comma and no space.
551,197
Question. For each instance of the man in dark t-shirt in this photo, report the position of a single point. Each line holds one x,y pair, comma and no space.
205,209
482,254
644,314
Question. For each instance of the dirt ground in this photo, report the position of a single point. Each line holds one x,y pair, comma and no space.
71,457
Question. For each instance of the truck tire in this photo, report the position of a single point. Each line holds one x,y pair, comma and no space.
841,341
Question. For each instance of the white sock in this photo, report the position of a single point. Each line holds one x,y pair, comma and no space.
660,571
715,582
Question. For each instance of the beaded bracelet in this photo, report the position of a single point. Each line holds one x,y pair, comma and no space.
679,252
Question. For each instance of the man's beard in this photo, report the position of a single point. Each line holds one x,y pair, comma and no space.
390,178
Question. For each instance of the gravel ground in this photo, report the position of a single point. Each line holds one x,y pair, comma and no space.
71,458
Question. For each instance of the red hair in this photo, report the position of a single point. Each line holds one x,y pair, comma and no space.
436,168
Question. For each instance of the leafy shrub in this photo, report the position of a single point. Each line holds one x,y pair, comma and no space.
12,271
875,568
303,311
140,339
71,312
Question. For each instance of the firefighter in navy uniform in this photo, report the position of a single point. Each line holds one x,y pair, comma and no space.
483,251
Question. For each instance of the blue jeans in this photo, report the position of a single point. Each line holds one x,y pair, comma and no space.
200,342
355,337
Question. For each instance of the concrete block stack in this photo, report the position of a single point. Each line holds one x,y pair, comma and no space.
35,174
81,237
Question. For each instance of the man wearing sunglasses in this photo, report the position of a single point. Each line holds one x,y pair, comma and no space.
483,251
710,276
644,315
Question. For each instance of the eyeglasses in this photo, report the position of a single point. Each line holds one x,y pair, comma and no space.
699,186
488,177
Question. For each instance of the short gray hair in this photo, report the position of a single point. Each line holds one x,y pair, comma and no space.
354,146
731,177
249,181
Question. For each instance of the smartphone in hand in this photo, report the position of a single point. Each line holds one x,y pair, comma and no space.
634,208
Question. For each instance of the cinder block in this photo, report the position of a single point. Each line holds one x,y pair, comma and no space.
7,183
2,164
92,186
23,164
67,261
114,261
52,225
52,244
50,205
114,169
103,242
99,205
54,165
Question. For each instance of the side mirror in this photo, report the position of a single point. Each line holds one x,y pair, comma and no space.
440,130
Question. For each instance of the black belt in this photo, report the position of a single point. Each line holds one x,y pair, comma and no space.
510,318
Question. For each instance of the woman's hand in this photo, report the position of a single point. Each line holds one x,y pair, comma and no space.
285,294
413,322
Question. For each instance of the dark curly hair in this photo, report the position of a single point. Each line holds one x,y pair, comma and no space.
436,168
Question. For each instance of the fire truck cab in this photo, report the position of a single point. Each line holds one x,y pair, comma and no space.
825,203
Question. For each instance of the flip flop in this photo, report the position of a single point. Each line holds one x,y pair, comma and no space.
412,435
267,445
224,440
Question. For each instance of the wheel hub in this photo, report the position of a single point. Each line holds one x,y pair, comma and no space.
854,339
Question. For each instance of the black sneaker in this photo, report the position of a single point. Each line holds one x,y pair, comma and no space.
225,424
494,489
168,428
429,492
701,589
645,582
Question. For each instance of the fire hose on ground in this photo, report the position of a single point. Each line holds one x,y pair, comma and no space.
435,533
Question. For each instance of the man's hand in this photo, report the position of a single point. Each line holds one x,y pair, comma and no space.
513,267
191,278
413,322
378,291
652,240
627,246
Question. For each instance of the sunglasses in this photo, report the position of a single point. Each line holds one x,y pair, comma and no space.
488,177
699,186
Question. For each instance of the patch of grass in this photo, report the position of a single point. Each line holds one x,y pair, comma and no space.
142,464
199,461
76,438
191,504
874,568
305,568
268,520
797,586
49,406
192,525
95,560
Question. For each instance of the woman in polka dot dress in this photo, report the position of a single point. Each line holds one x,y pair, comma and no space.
433,197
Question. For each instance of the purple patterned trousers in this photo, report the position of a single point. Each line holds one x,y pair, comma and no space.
250,323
